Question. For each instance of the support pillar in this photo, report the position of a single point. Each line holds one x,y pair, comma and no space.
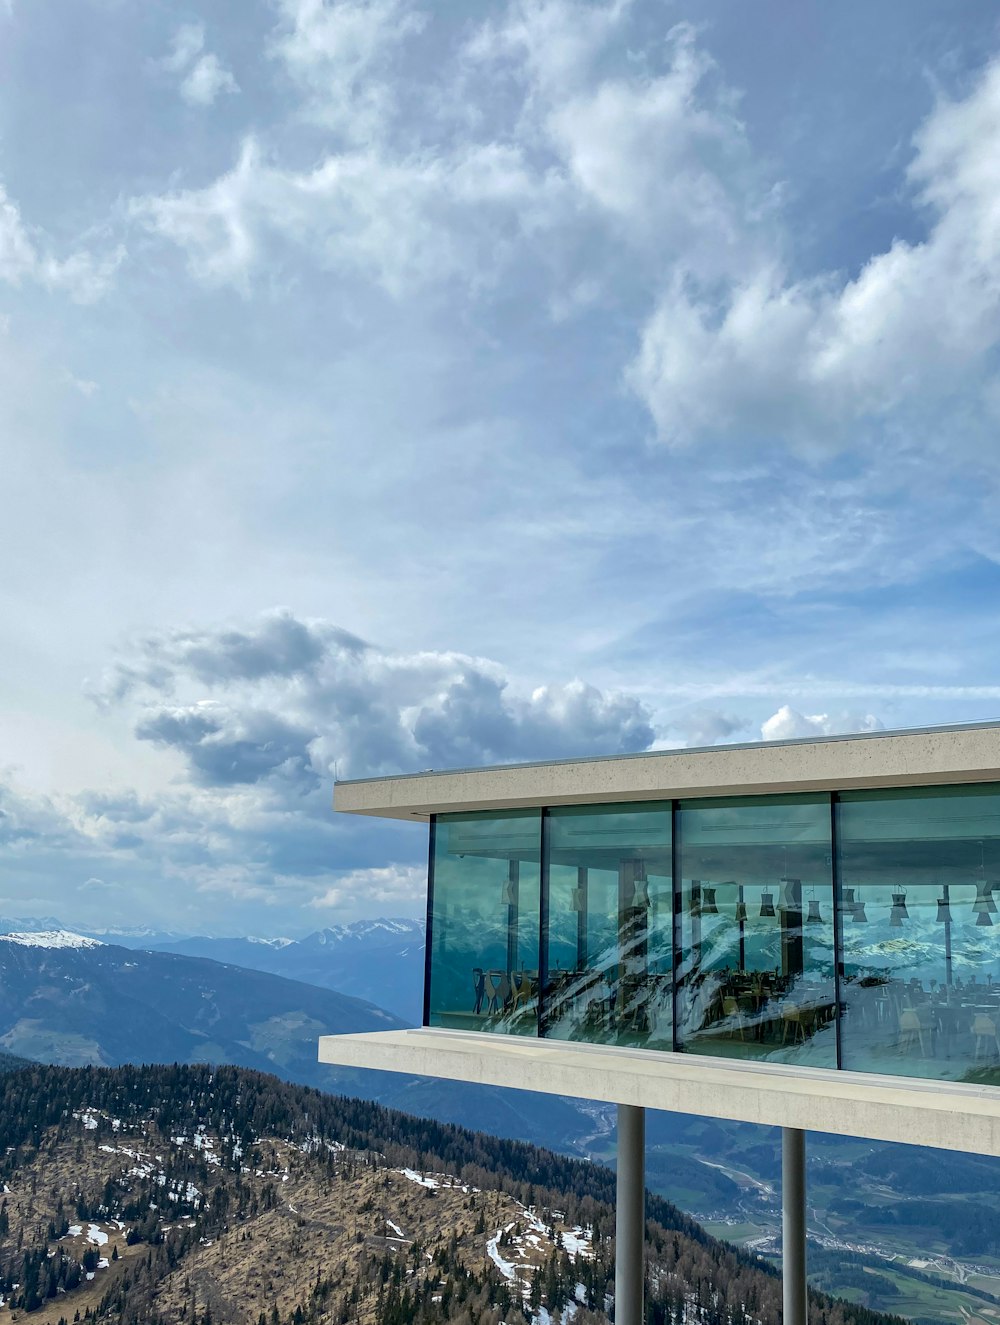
793,1227
630,1215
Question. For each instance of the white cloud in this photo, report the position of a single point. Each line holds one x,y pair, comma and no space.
205,80
649,154
17,253
340,54
381,887
811,360
403,222
83,276
202,76
789,725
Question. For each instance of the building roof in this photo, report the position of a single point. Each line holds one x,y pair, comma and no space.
918,756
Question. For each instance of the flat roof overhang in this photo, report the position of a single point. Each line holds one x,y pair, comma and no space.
969,753
946,1114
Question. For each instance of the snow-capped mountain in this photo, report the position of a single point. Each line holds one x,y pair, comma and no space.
51,938
380,959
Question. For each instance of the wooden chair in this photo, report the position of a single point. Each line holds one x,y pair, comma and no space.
731,1012
497,990
910,1027
984,1028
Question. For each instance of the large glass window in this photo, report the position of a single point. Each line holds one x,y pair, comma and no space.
921,943
484,922
609,954
756,972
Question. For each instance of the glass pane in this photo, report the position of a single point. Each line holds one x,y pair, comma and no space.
918,869
610,927
484,922
756,972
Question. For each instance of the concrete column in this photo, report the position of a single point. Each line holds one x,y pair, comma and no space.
630,1216
793,1227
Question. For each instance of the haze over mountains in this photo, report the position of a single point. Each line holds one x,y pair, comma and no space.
380,961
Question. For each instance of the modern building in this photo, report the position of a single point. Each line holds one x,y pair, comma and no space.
802,934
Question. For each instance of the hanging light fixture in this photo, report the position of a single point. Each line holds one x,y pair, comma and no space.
741,912
708,906
814,917
983,918
640,893
848,901
767,904
899,912
984,903
507,897
860,915
943,911
577,899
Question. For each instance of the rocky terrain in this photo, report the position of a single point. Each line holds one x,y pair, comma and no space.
185,1194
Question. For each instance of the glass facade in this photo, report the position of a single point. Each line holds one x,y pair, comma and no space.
856,930
756,968
921,947
483,922
609,941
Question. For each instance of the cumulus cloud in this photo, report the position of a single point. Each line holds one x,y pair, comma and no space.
812,359
789,725
290,700
202,76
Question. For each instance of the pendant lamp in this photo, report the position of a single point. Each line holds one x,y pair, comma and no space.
767,904
708,905
899,912
860,916
814,917
577,902
640,893
507,897
984,903
983,918
741,912
943,911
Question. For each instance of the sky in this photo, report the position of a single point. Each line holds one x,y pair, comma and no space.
388,385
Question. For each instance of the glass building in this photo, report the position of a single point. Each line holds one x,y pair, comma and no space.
855,929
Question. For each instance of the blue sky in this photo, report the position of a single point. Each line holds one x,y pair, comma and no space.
387,385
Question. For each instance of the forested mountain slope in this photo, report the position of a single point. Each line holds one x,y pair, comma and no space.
164,1195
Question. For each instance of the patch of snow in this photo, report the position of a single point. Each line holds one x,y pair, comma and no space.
399,1232
52,938
96,1235
74,1231
505,1267
577,1242
419,1179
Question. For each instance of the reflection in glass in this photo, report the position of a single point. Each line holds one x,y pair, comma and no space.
756,975
921,983
484,922
610,925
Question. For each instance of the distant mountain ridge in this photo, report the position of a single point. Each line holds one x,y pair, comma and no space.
73,1001
379,960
